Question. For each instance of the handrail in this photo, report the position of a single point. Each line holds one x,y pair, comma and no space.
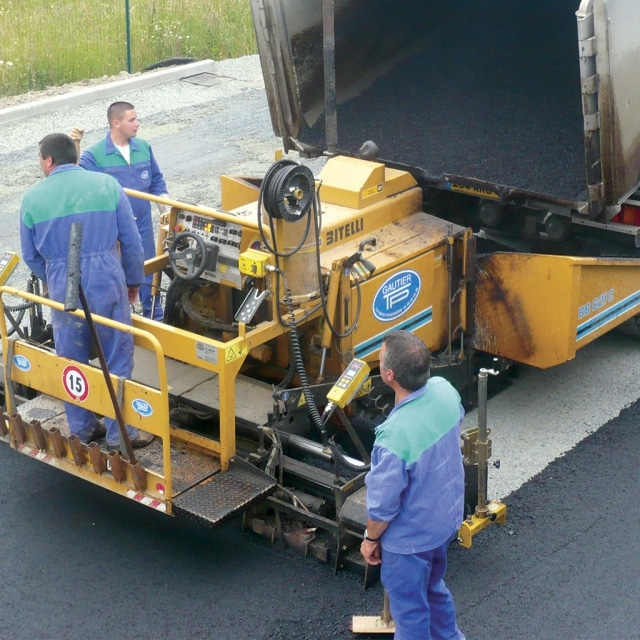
141,338
244,221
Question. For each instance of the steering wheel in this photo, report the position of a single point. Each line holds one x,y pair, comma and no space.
189,249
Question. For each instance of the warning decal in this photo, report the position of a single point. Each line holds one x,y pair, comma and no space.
75,383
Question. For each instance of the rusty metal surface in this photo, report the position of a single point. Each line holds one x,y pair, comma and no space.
188,466
617,23
499,316
222,495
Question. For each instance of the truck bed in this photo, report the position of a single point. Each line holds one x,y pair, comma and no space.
535,102
493,94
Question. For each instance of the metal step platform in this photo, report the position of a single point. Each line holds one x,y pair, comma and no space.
188,466
213,501
199,491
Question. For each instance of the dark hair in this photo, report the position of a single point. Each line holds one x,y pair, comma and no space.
116,109
409,359
60,148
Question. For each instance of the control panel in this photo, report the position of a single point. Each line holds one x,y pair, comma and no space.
349,383
225,236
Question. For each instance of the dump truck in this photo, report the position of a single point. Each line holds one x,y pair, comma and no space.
529,107
467,196
518,120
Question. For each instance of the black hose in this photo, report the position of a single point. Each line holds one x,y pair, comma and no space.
341,461
34,288
298,360
271,186
270,190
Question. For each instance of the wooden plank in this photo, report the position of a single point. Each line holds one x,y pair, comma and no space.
371,624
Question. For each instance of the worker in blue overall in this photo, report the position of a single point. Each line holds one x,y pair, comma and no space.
415,492
110,276
131,162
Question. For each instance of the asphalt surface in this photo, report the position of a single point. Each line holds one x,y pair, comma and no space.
79,562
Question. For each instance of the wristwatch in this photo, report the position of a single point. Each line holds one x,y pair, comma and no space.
368,539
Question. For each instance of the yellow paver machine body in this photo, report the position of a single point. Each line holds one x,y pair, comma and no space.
269,300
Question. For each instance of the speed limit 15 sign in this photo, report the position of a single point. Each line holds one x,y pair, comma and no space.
75,383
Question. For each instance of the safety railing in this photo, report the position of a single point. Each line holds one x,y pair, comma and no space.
38,367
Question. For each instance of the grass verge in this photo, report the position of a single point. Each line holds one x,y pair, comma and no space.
51,42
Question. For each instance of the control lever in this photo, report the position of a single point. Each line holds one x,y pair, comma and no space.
361,268
348,384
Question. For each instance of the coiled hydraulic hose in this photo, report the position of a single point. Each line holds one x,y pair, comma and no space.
277,181
297,360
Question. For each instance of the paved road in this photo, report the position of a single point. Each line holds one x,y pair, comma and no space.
76,561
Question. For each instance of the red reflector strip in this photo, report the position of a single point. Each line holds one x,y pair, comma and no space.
37,454
158,505
154,503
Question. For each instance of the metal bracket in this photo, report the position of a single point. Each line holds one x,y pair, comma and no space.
250,305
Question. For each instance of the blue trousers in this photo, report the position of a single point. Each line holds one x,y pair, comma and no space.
145,228
421,605
73,340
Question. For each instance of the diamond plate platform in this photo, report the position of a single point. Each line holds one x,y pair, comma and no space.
219,497
188,466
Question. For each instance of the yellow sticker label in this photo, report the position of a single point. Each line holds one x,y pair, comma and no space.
232,353
371,191
222,267
475,191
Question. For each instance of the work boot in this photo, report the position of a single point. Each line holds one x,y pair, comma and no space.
141,440
99,432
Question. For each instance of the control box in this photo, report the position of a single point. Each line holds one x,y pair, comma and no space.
349,383
252,263
221,238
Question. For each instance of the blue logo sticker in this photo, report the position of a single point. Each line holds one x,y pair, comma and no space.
22,363
142,407
396,295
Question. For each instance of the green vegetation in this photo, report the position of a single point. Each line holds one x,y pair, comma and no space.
51,42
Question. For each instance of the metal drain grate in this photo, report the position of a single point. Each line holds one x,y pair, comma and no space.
205,79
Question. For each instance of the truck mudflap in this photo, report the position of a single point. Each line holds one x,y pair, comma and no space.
540,309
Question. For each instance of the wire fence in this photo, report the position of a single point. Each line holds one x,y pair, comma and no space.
46,43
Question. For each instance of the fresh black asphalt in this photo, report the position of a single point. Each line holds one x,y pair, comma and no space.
79,562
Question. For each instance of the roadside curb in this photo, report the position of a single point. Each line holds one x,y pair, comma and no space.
107,90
